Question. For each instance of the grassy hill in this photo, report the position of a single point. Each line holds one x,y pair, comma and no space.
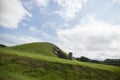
43,48
36,61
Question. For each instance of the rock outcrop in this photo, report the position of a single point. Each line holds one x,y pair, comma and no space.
59,53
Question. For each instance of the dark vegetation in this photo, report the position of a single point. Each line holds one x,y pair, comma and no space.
114,62
1,45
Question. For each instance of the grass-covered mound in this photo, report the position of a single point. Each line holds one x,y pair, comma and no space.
42,48
39,48
36,61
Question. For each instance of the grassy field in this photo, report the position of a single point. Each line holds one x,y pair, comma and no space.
36,61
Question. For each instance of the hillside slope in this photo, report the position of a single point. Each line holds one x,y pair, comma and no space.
42,48
36,61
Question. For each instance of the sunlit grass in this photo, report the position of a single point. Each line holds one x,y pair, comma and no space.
55,59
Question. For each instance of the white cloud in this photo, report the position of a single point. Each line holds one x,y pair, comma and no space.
11,13
34,29
69,8
116,1
11,40
42,3
64,25
91,38
28,4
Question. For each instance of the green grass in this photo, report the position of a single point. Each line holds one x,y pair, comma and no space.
13,67
42,48
36,61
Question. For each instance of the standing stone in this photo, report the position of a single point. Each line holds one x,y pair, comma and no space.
70,56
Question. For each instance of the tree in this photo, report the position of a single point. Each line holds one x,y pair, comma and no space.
1,45
84,59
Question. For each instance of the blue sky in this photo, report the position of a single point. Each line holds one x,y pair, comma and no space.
88,28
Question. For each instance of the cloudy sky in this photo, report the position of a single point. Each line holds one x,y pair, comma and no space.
88,28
